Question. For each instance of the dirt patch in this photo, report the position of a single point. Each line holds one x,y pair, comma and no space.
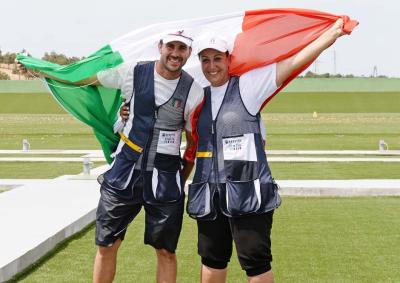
8,70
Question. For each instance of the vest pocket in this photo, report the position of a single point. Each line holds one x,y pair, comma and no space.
270,196
242,197
166,186
240,171
167,162
120,174
166,183
240,157
199,200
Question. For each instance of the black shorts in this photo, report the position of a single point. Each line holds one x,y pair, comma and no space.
163,223
251,235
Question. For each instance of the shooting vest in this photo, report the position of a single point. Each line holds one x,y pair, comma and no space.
231,154
152,148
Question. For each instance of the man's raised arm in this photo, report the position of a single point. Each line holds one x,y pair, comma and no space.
89,81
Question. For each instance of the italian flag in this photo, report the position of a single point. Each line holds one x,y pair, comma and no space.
256,38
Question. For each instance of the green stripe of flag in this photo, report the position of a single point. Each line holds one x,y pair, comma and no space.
95,106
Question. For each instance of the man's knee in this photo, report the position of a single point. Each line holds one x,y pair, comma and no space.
109,251
165,255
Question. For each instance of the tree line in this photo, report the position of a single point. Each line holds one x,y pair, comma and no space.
58,58
7,60
310,74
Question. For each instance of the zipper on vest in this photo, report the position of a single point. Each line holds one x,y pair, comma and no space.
148,143
215,153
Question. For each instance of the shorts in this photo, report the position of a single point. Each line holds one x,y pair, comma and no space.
252,237
163,222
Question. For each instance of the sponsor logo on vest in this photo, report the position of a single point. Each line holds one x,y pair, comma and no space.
168,137
169,142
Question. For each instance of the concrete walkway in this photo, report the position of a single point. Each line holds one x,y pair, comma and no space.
270,159
99,153
49,159
333,152
331,159
345,188
38,214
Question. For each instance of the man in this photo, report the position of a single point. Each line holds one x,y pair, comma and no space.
147,169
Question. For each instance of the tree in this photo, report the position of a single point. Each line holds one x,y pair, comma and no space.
53,57
4,76
60,59
9,58
309,74
73,59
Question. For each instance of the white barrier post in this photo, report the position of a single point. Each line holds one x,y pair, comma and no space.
87,165
25,145
383,145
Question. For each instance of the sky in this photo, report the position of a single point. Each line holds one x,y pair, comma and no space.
80,27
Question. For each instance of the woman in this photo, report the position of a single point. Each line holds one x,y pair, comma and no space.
233,195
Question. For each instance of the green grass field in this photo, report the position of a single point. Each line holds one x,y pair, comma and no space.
285,131
314,239
376,85
40,170
297,85
343,240
39,155
20,103
290,102
335,102
45,131
361,131
330,131
281,171
334,170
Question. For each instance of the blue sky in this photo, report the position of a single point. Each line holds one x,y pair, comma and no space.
78,28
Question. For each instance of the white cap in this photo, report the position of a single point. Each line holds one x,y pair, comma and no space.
213,43
180,36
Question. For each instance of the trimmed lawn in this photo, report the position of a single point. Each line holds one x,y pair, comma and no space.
335,170
39,155
33,103
40,170
45,131
314,240
335,102
335,131
285,102
284,131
